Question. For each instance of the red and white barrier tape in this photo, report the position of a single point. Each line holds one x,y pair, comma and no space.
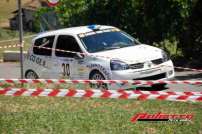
84,54
10,46
64,81
18,45
99,56
189,69
100,94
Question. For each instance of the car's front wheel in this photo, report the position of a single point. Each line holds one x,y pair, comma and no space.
96,75
159,86
31,75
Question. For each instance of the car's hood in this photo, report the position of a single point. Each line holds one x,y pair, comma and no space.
133,54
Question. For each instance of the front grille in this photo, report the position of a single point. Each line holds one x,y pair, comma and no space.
154,77
157,61
136,66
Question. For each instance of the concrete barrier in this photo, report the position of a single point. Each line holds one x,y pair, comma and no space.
9,56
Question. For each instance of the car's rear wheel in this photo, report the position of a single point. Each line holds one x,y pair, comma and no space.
96,75
31,75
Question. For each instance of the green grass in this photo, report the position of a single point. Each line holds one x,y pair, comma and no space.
84,115
76,115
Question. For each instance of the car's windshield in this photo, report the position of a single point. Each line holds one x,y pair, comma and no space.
107,41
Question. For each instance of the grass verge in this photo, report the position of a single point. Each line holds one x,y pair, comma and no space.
84,115
6,34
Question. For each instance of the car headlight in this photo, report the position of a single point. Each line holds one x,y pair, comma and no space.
118,65
165,56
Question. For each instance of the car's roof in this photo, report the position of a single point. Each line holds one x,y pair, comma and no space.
72,30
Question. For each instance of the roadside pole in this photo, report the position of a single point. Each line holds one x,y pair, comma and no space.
20,37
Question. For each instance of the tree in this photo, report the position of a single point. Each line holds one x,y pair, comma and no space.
149,20
191,37
70,12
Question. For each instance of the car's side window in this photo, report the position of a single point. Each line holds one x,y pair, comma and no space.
67,43
43,46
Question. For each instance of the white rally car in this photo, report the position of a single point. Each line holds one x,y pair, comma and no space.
95,52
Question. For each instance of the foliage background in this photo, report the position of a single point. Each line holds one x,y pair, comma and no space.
174,25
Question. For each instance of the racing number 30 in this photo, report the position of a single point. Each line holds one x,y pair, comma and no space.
66,70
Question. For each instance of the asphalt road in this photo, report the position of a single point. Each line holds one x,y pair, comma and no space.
12,70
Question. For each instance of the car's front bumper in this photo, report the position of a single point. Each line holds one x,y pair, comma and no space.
163,71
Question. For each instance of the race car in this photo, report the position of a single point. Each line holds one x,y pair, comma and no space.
95,52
